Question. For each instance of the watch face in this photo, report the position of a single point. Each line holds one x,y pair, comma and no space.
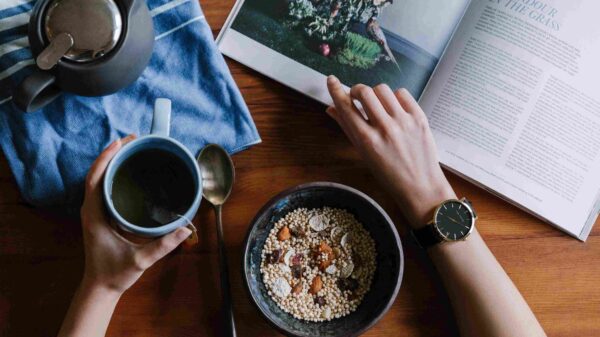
454,220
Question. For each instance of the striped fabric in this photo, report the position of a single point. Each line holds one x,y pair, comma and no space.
16,56
51,150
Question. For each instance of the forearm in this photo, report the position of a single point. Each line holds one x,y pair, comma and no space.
90,311
485,300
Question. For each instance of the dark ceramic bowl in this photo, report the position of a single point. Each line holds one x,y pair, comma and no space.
390,260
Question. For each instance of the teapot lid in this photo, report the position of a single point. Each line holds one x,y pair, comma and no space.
94,25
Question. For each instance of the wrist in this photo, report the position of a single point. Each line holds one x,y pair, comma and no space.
423,205
95,288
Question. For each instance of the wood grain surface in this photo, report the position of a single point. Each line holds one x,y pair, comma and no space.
41,255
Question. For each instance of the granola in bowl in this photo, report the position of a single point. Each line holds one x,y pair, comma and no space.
318,264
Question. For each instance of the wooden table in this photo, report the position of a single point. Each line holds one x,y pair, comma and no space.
41,255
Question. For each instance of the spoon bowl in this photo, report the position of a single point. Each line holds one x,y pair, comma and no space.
218,174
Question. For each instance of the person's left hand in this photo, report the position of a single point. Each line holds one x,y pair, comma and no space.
111,261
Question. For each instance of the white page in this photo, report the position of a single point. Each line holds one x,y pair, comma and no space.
514,105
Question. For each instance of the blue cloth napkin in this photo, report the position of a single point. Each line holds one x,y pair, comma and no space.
51,150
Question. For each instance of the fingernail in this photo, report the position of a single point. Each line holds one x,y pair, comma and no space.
130,137
113,144
332,79
183,233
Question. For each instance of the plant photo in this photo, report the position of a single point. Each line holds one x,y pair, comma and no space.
346,38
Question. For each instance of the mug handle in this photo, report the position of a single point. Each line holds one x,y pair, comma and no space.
161,121
36,91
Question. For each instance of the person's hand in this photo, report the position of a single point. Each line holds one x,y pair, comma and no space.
111,261
397,144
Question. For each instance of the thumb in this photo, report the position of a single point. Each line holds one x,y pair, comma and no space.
156,250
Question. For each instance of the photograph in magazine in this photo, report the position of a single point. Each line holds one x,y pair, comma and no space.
397,42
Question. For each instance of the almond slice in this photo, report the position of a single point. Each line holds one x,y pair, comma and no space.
287,258
347,270
346,241
318,222
281,287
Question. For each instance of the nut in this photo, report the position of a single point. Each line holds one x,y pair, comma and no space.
324,248
316,285
297,288
326,262
284,234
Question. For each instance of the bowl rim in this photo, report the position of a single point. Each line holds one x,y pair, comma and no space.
274,200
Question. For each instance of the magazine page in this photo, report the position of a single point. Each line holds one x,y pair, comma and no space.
514,105
300,42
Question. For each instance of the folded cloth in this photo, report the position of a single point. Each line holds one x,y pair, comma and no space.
51,150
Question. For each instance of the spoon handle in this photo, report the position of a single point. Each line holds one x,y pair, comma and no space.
228,321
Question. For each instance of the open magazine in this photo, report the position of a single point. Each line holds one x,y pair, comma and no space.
508,85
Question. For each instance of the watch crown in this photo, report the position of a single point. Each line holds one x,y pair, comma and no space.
468,202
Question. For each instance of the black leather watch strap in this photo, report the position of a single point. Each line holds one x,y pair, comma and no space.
426,236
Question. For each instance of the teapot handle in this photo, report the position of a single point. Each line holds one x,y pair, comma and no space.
36,91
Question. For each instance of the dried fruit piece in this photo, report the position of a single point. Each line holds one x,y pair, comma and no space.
316,285
284,234
297,232
325,263
320,301
324,248
297,288
297,259
318,222
275,256
296,271
281,287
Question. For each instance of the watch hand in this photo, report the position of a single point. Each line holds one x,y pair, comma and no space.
456,222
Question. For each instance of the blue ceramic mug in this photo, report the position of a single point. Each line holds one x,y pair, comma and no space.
158,139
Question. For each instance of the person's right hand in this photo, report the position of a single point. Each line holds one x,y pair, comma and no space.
112,262
397,144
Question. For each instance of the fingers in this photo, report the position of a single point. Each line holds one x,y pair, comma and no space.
409,104
156,250
92,205
347,114
369,100
389,101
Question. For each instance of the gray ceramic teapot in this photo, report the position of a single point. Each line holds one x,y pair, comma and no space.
86,47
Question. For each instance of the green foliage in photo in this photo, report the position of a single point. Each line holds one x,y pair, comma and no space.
359,52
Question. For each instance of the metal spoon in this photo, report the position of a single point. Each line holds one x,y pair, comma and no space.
217,180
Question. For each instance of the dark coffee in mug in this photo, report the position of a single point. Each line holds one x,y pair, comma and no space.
153,188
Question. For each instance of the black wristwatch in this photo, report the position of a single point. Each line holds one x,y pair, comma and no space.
453,220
